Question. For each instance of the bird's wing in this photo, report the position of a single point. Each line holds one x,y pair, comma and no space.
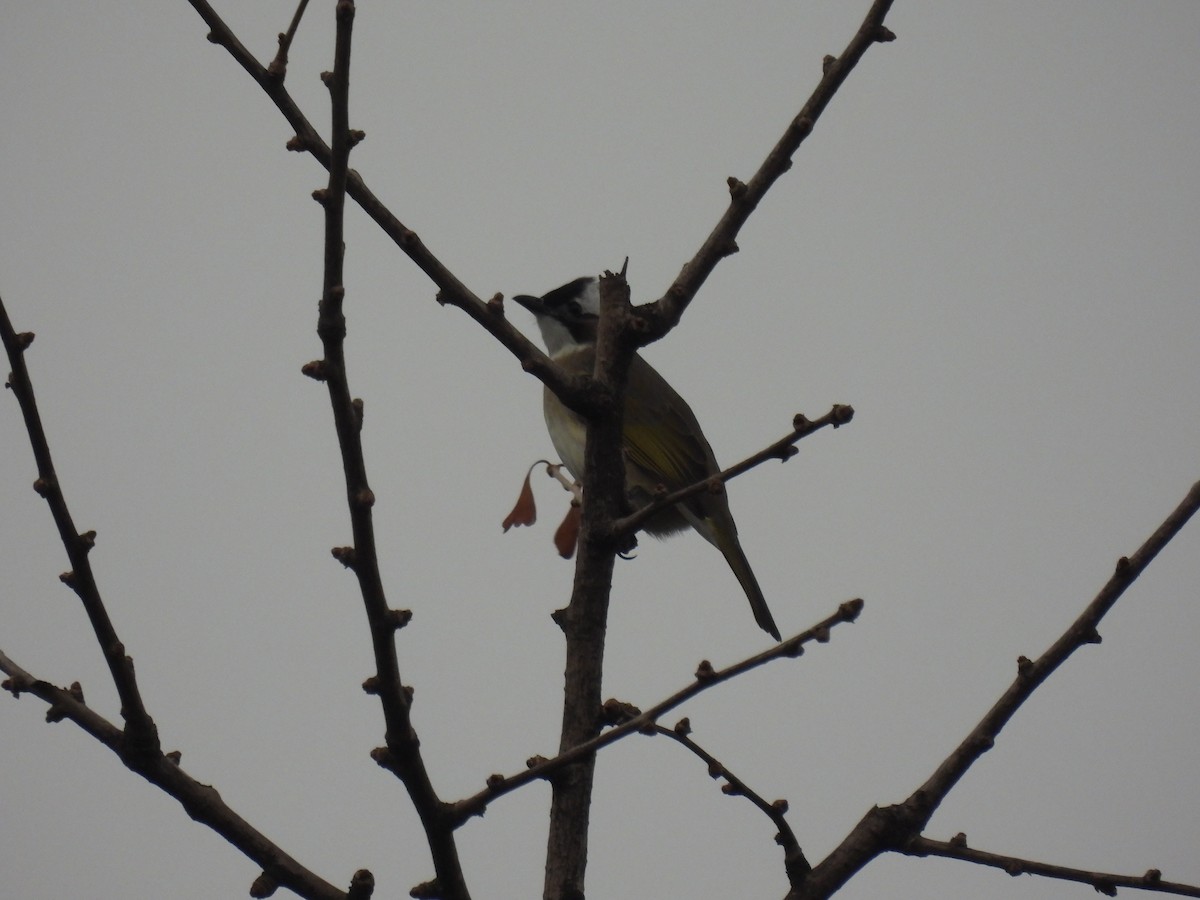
662,436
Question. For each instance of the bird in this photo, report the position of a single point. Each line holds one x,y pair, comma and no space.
663,443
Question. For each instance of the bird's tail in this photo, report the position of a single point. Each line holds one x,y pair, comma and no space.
729,545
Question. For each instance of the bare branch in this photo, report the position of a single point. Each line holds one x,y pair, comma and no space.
200,801
1103,882
895,827
141,735
782,449
664,314
278,66
402,754
706,677
794,861
450,289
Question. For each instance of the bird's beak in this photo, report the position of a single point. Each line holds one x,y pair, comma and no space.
533,304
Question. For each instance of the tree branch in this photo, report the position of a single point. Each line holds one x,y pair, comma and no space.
1103,882
200,801
895,827
401,753
140,740
637,721
450,290
794,862
782,449
664,314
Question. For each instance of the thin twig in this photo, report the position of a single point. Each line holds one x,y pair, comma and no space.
793,857
664,314
401,754
278,66
782,449
450,289
895,827
141,734
200,801
706,677
1103,882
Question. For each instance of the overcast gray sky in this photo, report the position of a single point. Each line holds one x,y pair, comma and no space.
988,247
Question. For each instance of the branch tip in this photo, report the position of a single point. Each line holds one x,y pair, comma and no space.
362,885
851,609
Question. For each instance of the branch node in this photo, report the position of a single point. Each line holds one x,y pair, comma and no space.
959,840
41,487
370,685
326,78
356,136
296,144
851,609
76,692
780,806
345,555
264,886
495,304
398,618
1024,666
1122,565
1152,876
494,781
364,498
427,890
68,578
357,405
883,34
383,757
321,195
1091,636
704,671
24,339
821,634
617,712
174,757
827,63
317,370
683,727
536,760
737,188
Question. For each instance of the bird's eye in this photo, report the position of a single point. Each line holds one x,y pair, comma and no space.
575,309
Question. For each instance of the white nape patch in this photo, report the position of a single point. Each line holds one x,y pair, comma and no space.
589,300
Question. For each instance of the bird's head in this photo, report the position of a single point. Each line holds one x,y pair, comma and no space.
566,315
